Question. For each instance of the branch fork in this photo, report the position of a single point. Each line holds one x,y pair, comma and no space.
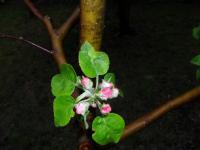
56,35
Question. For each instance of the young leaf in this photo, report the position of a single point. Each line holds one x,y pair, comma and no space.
110,77
196,32
63,110
64,83
93,63
61,86
69,71
196,60
108,129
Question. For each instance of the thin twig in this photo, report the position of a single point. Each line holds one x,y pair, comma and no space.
34,10
143,121
45,19
55,35
69,22
26,41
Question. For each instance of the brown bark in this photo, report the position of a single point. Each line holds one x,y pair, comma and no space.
92,21
143,121
58,49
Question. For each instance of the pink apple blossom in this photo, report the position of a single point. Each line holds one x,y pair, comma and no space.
106,93
86,83
82,107
107,90
105,109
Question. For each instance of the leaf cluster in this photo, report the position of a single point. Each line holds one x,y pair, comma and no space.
107,128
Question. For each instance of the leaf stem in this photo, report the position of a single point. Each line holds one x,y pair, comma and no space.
99,105
85,121
85,100
97,82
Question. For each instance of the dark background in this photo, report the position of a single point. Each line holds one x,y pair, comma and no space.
152,66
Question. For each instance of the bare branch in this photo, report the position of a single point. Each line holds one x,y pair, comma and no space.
37,13
55,38
160,111
26,41
34,10
69,22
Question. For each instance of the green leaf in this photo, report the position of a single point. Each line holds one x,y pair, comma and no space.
93,63
196,32
110,77
64,83
69,71
108,129
196,60
63,110
60,86
198,74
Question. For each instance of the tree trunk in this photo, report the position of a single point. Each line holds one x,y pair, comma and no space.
92,22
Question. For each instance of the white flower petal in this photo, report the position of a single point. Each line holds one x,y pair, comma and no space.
115,92
105,84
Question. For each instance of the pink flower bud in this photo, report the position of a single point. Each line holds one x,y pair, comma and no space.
105,109
106,93
86,83
82,107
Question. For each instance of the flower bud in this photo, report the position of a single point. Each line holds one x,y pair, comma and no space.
82,108
106,93
86,83
105,109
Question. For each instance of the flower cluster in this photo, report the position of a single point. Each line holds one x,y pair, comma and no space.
95,97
